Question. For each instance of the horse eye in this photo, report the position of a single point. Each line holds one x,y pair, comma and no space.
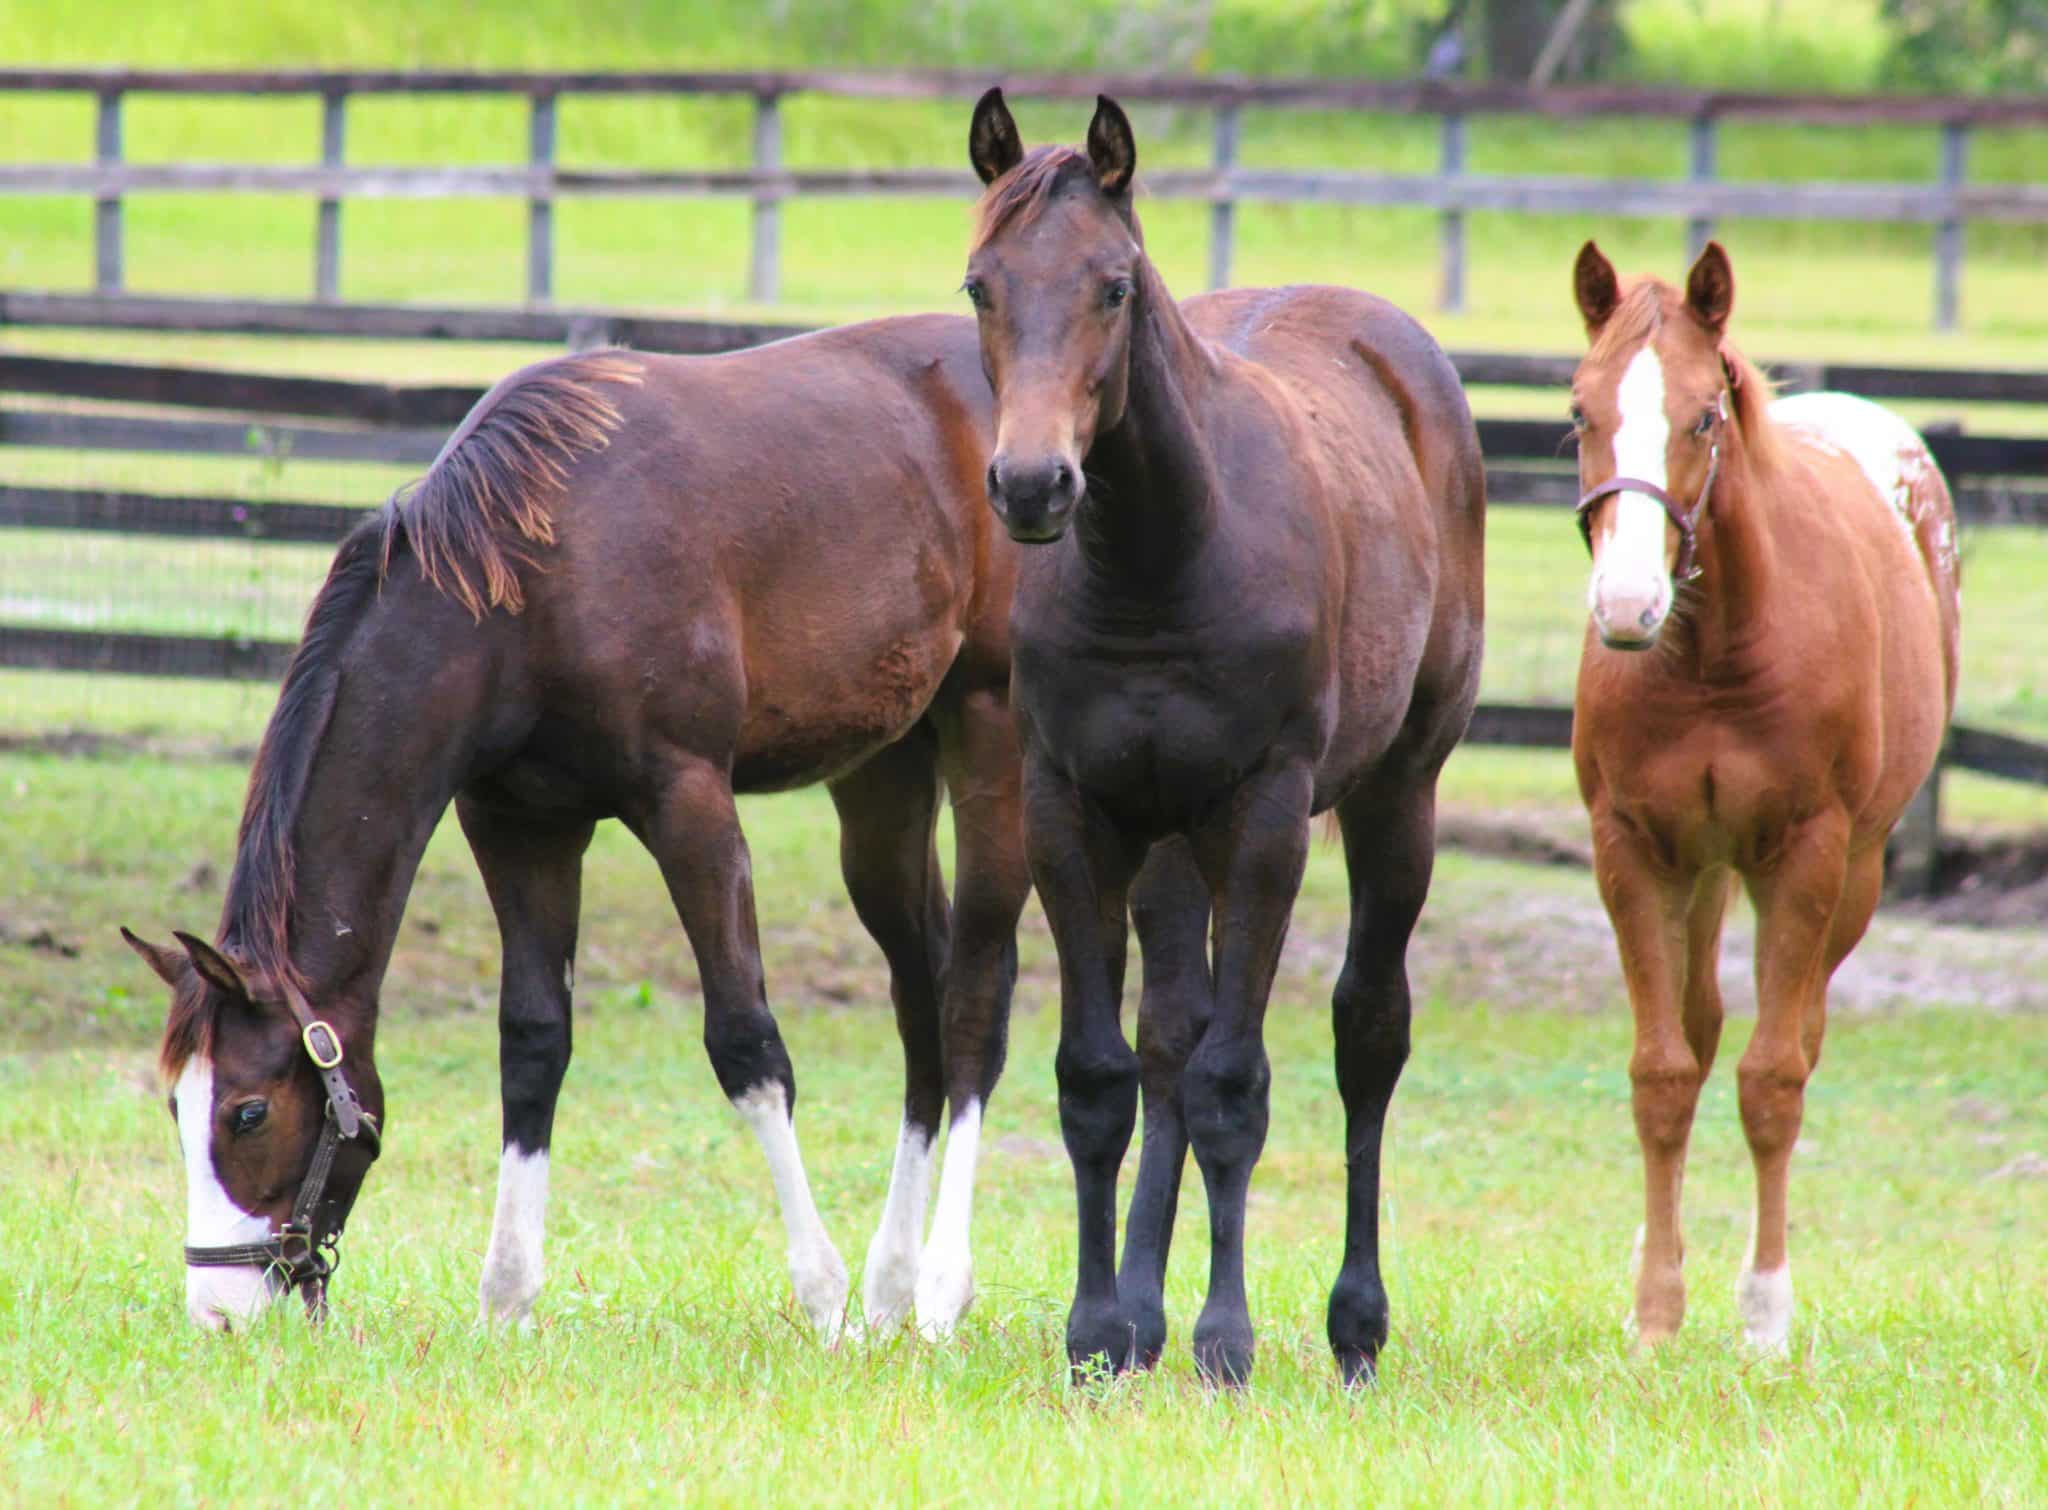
1706,424
976,294
1116,293
249,1116
1578,418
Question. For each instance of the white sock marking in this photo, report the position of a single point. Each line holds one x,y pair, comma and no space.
890,1277
513,1268
945,1275
1764,1299
815,1269
214,1297
1630,591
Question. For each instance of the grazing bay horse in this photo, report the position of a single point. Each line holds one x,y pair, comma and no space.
1254,595
1769,667
630,586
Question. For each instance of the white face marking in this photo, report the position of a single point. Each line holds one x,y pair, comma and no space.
815,1269
1764,1299
945,1276
512,1264
1631,587
889,1281
214,1297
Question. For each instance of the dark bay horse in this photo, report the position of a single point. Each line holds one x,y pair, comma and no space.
1769,667
1256,596
630,586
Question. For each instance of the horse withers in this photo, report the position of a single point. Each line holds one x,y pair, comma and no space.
1255,595
629,586
1768,670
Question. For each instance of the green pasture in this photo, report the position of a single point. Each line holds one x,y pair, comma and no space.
669,1362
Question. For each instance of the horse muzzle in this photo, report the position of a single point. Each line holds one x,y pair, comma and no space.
1036,500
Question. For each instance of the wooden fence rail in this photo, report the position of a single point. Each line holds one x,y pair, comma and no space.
1698,199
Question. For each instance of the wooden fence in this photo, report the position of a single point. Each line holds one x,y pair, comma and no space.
1949,203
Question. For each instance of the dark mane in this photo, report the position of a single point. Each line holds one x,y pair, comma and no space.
492,490
1021,195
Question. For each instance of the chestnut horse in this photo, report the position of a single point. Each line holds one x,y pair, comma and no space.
630,586
1256,596
1768,671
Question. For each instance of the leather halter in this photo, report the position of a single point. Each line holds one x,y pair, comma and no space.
1686,569
307,1249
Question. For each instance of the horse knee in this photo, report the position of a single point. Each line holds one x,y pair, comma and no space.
1098,1101
1664,1098
1225,1094
1772,1097
746,1052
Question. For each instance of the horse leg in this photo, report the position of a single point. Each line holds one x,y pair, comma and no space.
1252,853
1649,906
1862,887
1083,868
533,873
1170,910
887,810
1797,901
992,879
693,831
1389,851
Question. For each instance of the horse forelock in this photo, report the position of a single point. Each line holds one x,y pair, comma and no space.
188,1029
492,491
1021,195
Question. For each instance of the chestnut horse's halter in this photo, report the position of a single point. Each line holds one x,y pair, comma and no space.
1686,569
308,1247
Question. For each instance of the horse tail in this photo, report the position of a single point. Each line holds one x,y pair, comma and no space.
489,498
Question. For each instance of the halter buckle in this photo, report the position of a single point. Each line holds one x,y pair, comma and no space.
311,1035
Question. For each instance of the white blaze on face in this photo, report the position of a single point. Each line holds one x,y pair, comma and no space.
214,1297
1631,588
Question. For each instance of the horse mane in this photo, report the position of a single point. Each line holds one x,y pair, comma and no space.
1021,195
491,492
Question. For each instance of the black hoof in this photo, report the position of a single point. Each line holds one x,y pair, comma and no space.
1223,1350
1358,1329
1100,1339
1358,1368
1148,1331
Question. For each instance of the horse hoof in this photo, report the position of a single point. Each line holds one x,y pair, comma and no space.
1148,1334
1100,1338
1357,1368
1223,1351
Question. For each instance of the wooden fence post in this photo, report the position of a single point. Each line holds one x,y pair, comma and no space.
327,234
1701,229
1451,295
1948,238
1913,857
764,276
540,205
107,270
1223,209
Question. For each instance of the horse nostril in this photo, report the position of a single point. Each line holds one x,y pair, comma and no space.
994,481
1062,477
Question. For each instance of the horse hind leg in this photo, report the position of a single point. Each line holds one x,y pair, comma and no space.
692,828
532,870
1170,912
1797,907
887,812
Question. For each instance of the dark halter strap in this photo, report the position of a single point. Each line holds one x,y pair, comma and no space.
305,1251
1686,569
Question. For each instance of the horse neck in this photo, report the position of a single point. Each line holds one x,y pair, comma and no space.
1737,563
1152,487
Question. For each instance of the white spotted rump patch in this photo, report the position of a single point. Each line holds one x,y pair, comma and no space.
214,1297
815,1269
513,1268
1630,591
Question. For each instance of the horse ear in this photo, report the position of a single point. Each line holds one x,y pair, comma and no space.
213,966
165,962
993,145
1111,147
1595,287
1710,288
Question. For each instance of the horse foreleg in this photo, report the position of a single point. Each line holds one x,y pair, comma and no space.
533,873
1252,853
1647,905
1796,902
1083,868
978,750
887,810
693,831
1170,911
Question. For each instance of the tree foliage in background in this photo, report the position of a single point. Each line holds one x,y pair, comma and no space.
1977,45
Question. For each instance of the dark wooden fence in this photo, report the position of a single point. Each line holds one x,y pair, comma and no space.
1949,203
